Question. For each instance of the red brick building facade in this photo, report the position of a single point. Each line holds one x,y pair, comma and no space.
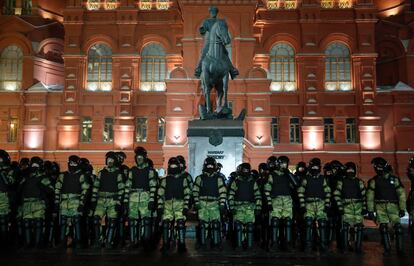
327,78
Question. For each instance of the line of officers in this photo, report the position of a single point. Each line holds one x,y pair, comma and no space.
279,210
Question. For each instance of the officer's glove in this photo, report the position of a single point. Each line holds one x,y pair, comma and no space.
160,212
402,213
270,208
364,212
223,211
56,207
185,211
93,205
81,209
371,216
257,212
151,206
118,208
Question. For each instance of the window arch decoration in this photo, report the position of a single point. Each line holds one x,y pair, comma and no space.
282,67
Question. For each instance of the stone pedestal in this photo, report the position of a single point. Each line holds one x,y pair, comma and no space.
221,139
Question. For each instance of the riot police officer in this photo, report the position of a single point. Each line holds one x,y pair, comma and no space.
6,182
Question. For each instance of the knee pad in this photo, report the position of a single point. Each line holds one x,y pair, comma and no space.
180,224
322,222
383,228
398,229
274,222
146,221
308,221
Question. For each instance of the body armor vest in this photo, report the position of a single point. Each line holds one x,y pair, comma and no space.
245,190
385,190
31,188
281,185
140,178
209,186
314,187
174,187
351,188
109,181
71,183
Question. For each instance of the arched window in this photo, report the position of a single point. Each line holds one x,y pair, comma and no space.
93,4
337,68
153,68
279,4
99,68
11,68
111,4
282,68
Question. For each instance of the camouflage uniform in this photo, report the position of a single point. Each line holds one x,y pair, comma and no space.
70,194
278,192
386,197
314,197
245,201
410,200
209,194
107,192
7,179
139,198
34,190
173,202
350,196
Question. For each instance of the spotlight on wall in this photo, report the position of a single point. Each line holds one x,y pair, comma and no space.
259,140
176,138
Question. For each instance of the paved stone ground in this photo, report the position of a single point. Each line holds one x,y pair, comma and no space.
227,257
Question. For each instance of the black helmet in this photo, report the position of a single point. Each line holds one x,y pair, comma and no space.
328,169
283,159
24,162
181,159
74,159
173,166
150,163
351,165
140,151
315,162
210,165
272,163
121,156
380,165
245,169
255,174
315,166
5,156
219,165
263,167
350,169
36,162
411,162
111,155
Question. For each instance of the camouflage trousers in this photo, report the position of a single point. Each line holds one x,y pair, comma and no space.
4,204
315,209
138,205
173,210
209,211
106,205
33,208
69,205
353,212
282,207
244,212
387,212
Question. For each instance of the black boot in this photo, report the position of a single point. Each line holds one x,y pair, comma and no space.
202,234
39,227
216,234
399,235
63,228
3,231
345,238
97,232
77,233
166,228
250,234
27,225
288,234
359,233
308,234
133,232
274,227
112,223
322,234
385,238
147,228
238,231
121,232
181,236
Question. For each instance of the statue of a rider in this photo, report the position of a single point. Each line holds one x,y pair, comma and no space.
204,30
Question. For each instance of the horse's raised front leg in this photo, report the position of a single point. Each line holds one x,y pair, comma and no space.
225,90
